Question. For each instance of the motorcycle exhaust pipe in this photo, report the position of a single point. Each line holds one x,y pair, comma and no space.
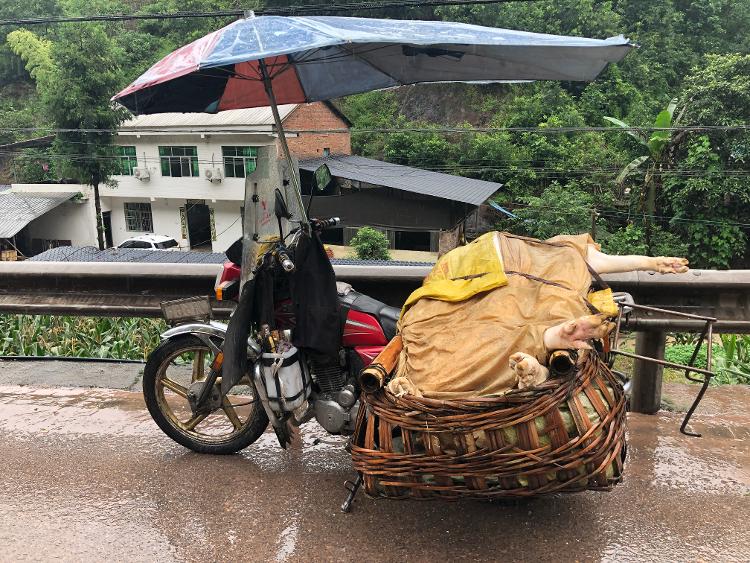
373,377
562,363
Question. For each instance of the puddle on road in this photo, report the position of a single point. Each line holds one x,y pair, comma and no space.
678,463
715,463
287,541
68,412
72,412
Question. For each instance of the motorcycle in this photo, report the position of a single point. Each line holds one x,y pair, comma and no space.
185,383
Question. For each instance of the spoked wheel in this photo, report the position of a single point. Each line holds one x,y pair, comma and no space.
180,364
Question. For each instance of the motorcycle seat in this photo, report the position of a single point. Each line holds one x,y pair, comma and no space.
386,315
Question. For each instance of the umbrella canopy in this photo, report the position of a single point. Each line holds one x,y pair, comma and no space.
317,58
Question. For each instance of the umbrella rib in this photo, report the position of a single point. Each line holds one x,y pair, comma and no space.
339,56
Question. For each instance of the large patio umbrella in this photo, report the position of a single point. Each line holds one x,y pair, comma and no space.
270,60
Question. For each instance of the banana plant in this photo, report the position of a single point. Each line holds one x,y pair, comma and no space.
657,158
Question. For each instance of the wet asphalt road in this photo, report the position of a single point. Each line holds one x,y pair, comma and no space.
85,475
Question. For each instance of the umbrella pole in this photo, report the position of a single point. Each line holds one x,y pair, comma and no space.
282,137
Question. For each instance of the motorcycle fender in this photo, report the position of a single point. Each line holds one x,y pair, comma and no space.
204,331
211,329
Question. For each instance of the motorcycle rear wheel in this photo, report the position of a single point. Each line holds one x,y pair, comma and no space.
170,369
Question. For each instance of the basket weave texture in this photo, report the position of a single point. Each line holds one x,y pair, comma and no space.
562,436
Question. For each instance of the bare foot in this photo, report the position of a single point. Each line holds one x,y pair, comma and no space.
528,369
669,265
574,334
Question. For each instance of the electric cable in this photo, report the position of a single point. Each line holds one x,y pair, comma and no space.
299,10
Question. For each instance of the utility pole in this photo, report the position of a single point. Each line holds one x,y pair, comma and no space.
594,217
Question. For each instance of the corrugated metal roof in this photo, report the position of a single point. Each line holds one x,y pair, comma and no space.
18,209
426,182
253,117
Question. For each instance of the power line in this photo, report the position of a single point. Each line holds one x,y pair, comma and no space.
390,130
466,166
508,167
308,9
614,213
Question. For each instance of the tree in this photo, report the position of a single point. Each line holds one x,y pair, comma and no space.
708,195
33,167
77,75
659,146
559,210
370,244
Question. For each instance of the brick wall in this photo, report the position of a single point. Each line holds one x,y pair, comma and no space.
316,116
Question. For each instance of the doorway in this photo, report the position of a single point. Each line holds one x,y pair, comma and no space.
107,224
199,225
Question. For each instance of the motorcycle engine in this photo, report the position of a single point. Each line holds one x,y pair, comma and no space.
336,405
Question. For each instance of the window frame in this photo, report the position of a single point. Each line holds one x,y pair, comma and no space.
169,162
127,161
244,161
138,214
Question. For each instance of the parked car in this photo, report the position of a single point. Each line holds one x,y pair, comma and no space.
150,242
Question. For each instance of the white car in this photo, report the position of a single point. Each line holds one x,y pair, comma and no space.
150,242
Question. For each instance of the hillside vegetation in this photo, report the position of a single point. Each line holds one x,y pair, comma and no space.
663,192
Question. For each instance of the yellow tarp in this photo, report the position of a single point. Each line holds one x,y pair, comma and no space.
463,273
458,334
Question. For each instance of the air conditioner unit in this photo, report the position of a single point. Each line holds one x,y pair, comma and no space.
214,174
141,174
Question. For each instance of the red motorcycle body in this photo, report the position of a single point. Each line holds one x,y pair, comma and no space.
369,325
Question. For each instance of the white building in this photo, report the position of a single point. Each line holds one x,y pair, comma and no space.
183,175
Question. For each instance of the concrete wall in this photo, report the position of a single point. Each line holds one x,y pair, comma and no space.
166,194
209,156
71,221
165,214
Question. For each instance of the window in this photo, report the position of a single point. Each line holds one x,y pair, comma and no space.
326,151
171,243
138,217
127,160
179,161
136,244
239,161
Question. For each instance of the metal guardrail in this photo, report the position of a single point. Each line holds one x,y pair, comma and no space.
130,289
136,290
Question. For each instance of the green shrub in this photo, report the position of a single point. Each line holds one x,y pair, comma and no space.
681,354
731,358
370,244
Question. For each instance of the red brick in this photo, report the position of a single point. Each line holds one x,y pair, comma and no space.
319,117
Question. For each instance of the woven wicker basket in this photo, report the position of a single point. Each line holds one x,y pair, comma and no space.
563,436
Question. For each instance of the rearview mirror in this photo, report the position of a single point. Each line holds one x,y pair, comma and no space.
279,207
322,177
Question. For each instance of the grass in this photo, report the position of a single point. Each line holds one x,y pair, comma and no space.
134,338
93,337
731,358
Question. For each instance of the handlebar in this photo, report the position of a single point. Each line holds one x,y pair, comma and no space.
323,224
285,261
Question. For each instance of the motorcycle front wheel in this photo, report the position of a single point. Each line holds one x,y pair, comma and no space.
171,369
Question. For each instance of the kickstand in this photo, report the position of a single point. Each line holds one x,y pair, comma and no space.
352,487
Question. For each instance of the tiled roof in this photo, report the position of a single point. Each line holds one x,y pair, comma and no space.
91,254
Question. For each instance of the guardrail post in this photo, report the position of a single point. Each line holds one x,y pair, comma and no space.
646,390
